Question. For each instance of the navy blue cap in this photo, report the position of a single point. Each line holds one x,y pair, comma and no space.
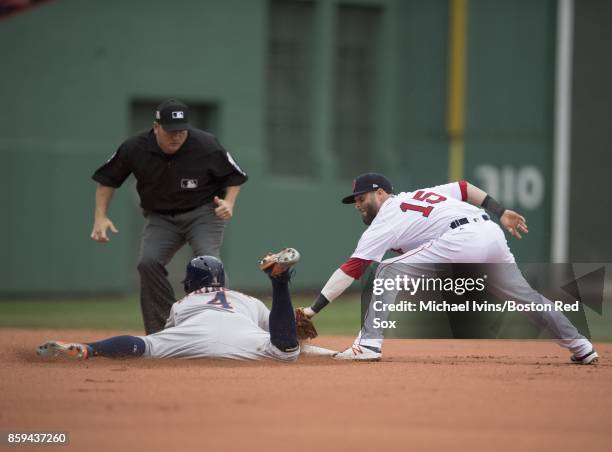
173,115
366,183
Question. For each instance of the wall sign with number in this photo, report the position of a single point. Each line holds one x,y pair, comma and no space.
514,187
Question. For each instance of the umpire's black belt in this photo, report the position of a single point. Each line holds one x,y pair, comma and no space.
465,220
174,212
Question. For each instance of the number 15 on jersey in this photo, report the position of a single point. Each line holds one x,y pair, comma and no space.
428,197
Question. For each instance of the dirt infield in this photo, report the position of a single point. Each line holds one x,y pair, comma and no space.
425,395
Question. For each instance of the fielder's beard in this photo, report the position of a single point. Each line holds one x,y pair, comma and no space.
370,213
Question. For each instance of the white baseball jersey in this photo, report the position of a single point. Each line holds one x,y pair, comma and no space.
408,220
403,223
216,323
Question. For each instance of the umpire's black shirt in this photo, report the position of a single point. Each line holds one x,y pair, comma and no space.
197,172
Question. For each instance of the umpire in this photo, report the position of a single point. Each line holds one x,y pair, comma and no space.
188,185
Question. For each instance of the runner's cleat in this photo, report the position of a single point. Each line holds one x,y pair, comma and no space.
53,349
278,263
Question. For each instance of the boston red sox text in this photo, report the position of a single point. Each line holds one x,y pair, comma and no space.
475,306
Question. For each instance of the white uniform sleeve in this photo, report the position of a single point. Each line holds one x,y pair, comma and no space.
375,241
336,285
452,190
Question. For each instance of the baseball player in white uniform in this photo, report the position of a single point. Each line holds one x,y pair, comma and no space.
442,224
212,321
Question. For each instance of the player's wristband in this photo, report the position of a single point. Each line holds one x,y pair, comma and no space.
319,303
493,206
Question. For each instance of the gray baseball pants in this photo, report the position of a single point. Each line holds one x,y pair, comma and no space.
163,236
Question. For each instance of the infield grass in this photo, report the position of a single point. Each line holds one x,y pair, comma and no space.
341,317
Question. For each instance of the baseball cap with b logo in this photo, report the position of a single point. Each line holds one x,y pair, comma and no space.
173,115
366,183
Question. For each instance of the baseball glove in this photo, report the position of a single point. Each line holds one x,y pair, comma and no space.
304,326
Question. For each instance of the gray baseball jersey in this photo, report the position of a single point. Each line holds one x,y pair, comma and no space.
216,323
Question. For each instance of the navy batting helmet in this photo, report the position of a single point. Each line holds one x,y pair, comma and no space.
204,271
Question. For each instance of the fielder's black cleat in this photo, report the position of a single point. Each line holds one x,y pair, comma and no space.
589,358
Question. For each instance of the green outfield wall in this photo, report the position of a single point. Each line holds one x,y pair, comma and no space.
304,95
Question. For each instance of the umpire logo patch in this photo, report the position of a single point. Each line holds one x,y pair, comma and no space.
189,183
